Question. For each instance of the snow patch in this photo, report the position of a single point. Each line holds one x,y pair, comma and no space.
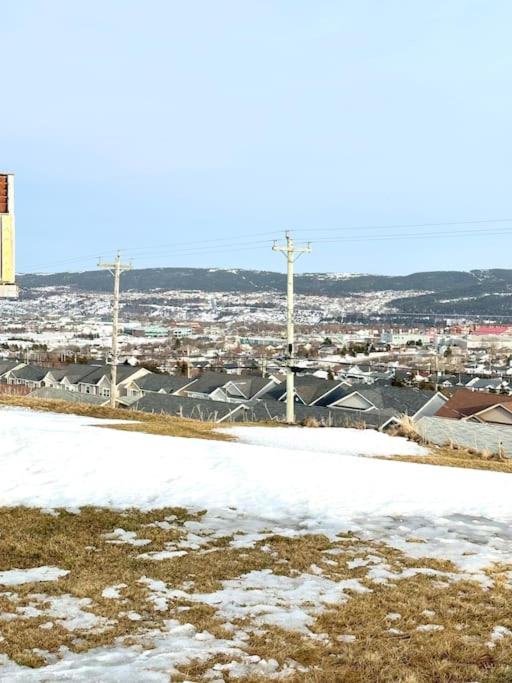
16,577
289,602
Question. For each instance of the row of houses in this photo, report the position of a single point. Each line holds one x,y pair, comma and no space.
91,379
220,397
496,384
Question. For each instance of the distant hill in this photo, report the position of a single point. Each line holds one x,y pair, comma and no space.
476,291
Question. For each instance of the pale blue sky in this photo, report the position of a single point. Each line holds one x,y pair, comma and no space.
139,124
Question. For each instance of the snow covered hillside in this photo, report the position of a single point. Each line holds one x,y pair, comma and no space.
306,478
294,484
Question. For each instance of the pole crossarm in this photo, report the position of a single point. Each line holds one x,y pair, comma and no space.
115,269
292,253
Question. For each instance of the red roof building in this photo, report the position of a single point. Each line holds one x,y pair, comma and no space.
484,330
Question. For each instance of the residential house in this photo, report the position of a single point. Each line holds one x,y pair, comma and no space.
265,410
98,383
158,384
243,388
309,390
208,410
410,401
68,377
223,387
494,384
7,366
477,406
368,374
31,376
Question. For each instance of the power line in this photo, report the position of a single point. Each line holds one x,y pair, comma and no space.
236,244
408,236
179,251
207,249
396,226
232,239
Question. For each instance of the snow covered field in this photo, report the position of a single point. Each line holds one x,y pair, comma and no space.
275,482
304,479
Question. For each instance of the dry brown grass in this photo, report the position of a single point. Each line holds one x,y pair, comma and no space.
458,654
310,422
164,425
79,543
460,457
407,428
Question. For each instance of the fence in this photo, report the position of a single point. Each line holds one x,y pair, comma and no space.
481,437
14,389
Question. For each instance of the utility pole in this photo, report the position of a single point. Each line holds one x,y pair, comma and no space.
115,269
292,253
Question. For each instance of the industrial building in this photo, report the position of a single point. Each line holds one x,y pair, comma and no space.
8,286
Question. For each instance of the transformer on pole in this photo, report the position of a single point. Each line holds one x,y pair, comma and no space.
8,287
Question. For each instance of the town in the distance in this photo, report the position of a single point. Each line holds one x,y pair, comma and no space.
364,352
255,342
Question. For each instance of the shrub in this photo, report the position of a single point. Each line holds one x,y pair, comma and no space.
310,422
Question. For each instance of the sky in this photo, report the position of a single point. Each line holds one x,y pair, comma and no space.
193,133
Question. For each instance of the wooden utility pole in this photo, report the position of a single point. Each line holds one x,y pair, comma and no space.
115,269
292,253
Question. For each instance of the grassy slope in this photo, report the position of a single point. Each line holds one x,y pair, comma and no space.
148,423
449,457
166,425
80,543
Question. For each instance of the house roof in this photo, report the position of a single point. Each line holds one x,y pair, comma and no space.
250,385
308,388
255,411
491,329
97,373
264,410
487,383
209,381
334,395
406,400
6,365
31,373
167,383
465,403
182,406
458,379
72,372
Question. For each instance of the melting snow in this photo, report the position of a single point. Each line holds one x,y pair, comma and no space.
275,481
284,601
335,440
15,577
